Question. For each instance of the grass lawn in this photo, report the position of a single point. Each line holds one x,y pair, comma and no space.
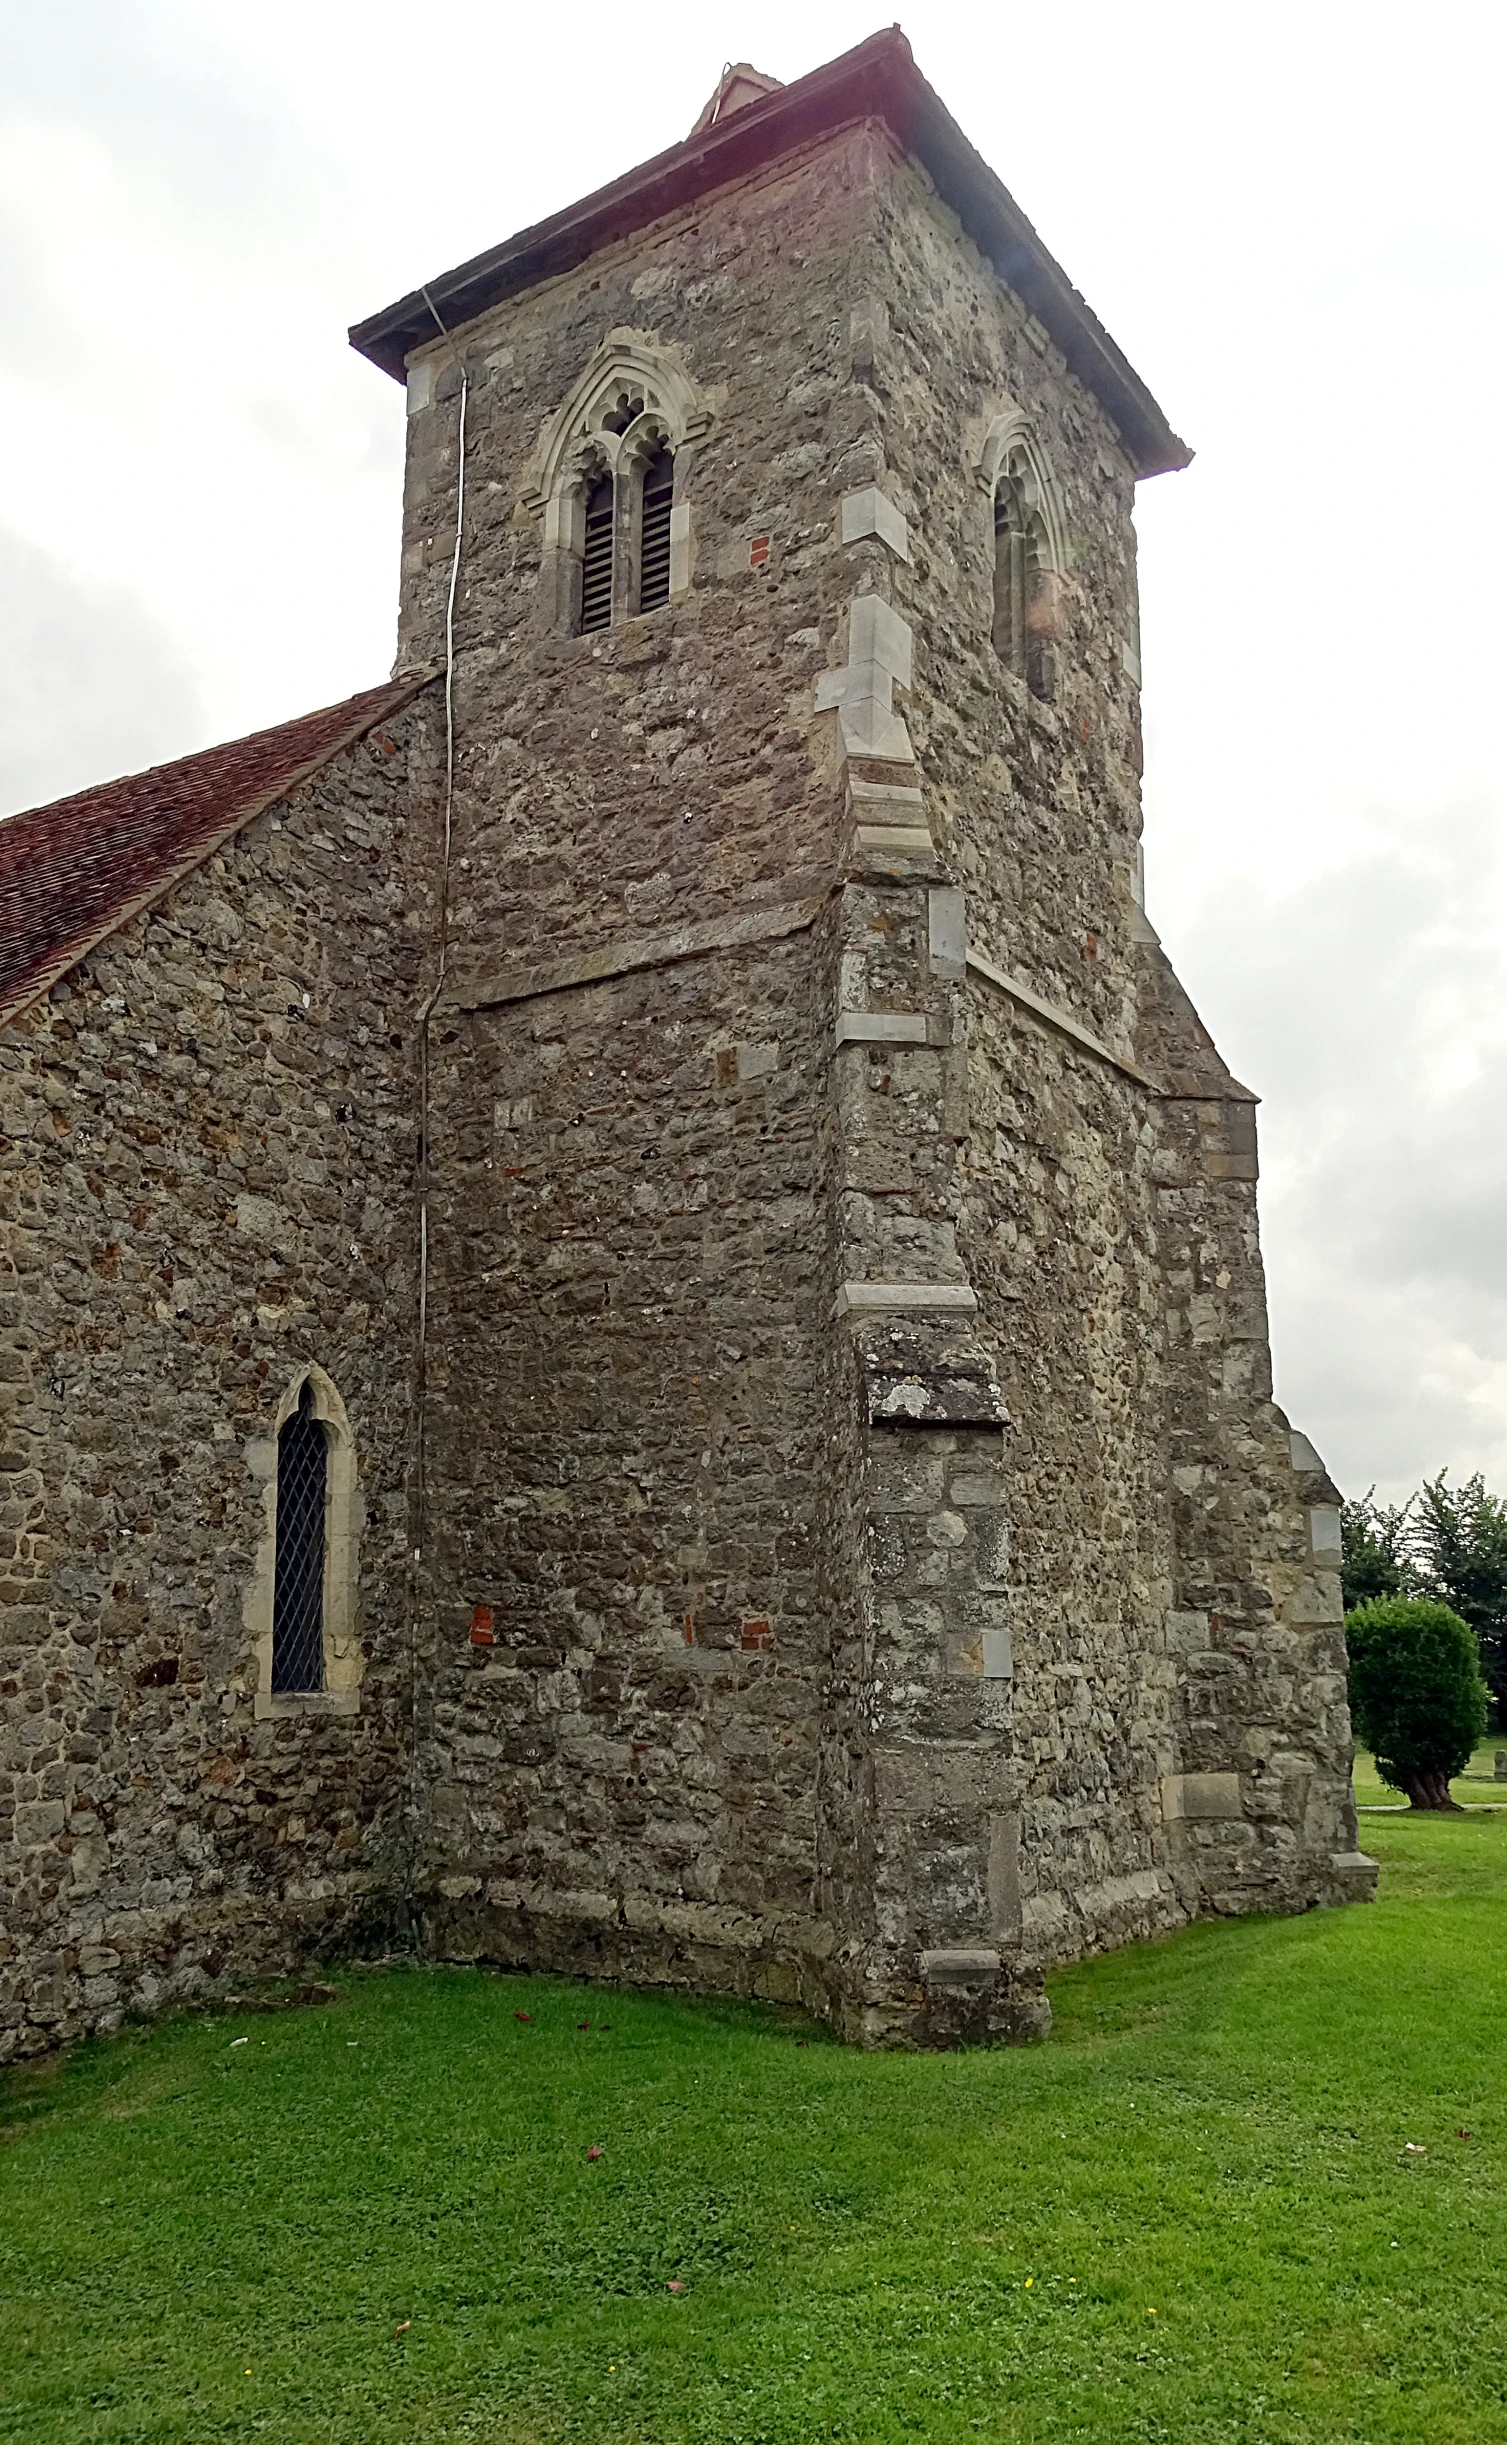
1194,2216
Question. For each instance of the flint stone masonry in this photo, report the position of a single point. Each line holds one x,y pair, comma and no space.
205,1175
830,1536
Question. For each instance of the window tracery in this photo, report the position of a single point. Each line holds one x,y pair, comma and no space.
611,479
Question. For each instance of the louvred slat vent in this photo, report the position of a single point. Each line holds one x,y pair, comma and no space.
654,554
596,563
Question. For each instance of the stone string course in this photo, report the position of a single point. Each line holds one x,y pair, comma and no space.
847,1394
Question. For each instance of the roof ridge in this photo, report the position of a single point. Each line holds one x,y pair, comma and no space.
877,79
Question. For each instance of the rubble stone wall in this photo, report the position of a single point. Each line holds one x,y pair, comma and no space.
206,1152
632,1294
633,1274
827,1531
1170,1619
1261,1815
617,787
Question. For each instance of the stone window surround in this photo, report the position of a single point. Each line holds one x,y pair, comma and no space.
578,447
1010,449
344,1519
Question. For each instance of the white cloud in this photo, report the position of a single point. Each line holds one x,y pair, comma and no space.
1292,220
90,684
1368,1005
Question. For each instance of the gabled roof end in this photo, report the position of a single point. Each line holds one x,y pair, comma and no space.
738,85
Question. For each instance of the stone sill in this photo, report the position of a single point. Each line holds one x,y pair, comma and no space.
307,1702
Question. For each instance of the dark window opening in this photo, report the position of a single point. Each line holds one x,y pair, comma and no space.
596,560
625,408
298,1589
654,531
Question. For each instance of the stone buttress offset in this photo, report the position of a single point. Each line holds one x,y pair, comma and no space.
920,1702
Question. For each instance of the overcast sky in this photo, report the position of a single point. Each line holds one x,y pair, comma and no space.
1291,218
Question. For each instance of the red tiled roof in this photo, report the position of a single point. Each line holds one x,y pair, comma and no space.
73,872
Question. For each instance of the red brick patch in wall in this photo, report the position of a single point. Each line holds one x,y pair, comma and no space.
481,1627
758,1635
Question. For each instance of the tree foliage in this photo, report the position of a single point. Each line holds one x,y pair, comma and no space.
1459,1543
1375,1551
1417,1698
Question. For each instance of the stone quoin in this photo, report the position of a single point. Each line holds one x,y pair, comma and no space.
631,1322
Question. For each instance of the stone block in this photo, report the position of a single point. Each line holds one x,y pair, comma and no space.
1201,1795
888,849
881,1027
906,1299
959,1968
894,803
856,684
927,1778
871,512
975,1489
878,635
1317,1600
947,935
870,728
997,1654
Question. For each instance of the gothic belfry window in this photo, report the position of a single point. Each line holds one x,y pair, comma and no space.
1021,609
298,1592
613,475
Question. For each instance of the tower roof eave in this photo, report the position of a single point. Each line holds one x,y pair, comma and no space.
878,79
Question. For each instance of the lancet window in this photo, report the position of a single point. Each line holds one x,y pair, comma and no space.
1028,537
597,556
627,526
298,1590
1022,598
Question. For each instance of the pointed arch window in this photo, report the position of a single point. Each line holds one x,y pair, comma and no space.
1022,596
612,478
298,1590
303,1595
1028,534
627,528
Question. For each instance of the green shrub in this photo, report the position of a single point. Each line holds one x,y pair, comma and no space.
1417,1698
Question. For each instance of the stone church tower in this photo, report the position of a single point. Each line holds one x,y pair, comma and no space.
632,1307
